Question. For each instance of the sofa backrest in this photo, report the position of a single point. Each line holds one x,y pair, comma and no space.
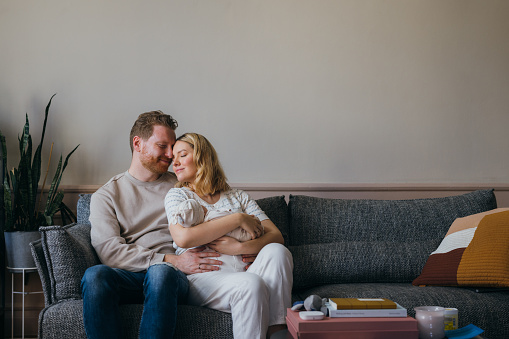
332,240
355,241
275,208
64,253
83,209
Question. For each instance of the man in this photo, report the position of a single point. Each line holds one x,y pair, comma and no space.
131,237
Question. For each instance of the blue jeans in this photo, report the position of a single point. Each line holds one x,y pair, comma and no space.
159,289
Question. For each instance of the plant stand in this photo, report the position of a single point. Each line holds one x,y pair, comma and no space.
23,271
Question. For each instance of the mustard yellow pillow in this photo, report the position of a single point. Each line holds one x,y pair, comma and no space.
474,252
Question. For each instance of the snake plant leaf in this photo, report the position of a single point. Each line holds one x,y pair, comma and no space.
46,119
59,172
24,136
7,199
15,197
67,158
67,214
54,183
14,181
36,165
27,192
22,183
4,153
53,207
5,182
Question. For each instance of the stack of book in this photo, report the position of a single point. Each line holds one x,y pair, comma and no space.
356,319
352,307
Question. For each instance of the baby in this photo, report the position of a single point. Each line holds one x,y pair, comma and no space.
191,213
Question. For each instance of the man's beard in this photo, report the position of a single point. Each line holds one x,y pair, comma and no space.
153,164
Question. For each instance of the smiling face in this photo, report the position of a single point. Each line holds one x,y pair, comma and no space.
183,163
156,152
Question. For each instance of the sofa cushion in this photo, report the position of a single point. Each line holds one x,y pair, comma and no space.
358,262
277,211
64,320
68,254
474,252
319,220
372,233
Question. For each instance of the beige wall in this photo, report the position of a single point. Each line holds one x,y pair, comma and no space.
289,91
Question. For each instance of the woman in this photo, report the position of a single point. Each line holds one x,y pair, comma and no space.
258,297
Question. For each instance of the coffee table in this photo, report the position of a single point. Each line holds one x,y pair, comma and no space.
347,328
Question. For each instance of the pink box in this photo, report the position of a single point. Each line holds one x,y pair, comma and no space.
351,328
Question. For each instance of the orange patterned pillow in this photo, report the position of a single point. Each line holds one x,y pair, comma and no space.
474,252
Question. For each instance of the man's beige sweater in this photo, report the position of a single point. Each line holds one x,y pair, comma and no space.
129,224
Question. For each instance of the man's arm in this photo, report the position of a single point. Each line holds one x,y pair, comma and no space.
111,247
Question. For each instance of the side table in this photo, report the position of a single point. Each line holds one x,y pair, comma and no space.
23,271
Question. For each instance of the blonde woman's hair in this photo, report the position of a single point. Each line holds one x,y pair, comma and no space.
210,177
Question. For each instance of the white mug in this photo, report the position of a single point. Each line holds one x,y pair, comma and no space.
430,321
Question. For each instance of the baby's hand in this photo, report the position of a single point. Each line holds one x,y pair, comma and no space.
252,225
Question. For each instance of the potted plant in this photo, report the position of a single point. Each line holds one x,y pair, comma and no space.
24,208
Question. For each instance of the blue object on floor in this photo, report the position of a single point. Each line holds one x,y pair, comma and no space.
466,332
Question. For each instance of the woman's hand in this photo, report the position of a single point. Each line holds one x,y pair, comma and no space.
226,245
251,225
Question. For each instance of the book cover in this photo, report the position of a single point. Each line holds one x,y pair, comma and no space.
398,312
361,303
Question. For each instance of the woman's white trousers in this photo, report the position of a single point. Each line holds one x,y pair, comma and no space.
256,298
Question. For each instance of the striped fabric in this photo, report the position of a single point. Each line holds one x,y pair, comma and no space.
474,253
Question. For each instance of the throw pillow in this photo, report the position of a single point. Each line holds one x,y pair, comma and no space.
473,253
68,254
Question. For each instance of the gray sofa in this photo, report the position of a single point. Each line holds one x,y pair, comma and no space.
341,248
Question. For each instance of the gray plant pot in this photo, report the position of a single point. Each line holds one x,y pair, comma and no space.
18,250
